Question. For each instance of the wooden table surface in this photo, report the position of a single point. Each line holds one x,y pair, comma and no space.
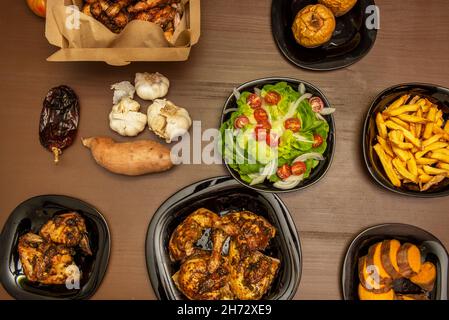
236,46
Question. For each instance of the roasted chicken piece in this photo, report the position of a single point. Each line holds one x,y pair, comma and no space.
68,229
187,233
150,4
45,262
251,272
112,14
163,17
196,282
250,230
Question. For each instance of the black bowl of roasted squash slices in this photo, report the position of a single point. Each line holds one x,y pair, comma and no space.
395,262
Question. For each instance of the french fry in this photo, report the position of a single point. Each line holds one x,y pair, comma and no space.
414,100
385,146
400,122
412,166
396,104
429,126
435,180
396,137
443,151
443,166
412,118
439,119
381,128
425,105
446,126
424,178
386,163
432,147
408,135
397,163
431,140
413,129
400,153
438,130
426,161
419,126
440,156
403,109
434,171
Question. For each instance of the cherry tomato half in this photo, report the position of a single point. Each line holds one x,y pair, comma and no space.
272,139
317,140
254,101
317,104
284,171
240,122
272,98
298,168
292,124
261,131
260,115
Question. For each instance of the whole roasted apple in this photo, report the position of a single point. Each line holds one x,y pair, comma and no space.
38,7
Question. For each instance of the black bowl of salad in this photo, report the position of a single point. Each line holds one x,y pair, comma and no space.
277,134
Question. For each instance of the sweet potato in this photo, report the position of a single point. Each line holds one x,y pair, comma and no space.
369,279
373,260
370,295
389,251
407,297
409,260
426,277
129,158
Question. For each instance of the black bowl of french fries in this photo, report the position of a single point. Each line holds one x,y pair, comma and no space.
406,140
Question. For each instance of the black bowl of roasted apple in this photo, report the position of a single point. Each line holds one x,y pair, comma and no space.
217,240
54,247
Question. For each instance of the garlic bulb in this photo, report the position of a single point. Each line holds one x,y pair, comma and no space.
125,118
167,120
122,90
151,86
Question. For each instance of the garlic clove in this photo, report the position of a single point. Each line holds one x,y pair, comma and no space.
122,90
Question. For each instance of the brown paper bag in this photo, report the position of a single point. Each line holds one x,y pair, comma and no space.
82,38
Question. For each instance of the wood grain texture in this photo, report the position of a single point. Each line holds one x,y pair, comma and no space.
236,46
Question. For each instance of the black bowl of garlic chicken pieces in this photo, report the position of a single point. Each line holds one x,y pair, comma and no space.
216,240
54,247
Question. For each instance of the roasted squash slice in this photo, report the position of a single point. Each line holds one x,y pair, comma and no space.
374,262
389,251
409,260
370,295
368,278
407,297
426,276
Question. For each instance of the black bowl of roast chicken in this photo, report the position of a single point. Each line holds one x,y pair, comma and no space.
217,240
54,247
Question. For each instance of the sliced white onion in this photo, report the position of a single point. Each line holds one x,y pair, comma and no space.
304,97
301,88
258,92
258,180
302,138
230,110
236,94
270,168
327,111
294,106
310,155
236,132
289,183
320,117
